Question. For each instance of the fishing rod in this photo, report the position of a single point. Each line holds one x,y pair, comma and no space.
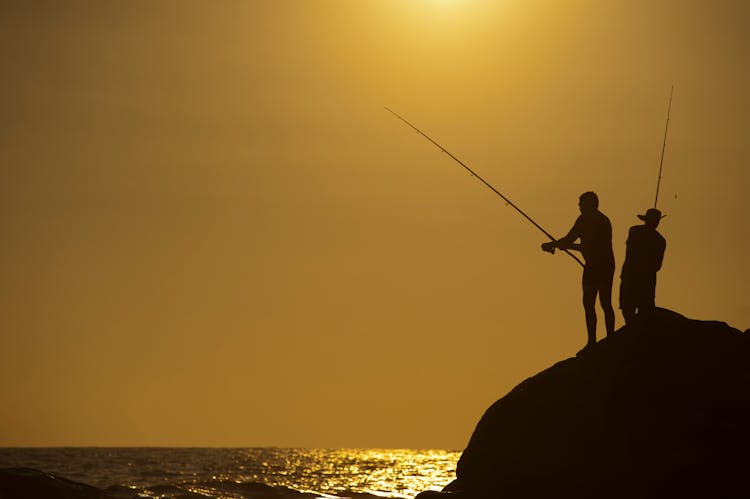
663,146
473,173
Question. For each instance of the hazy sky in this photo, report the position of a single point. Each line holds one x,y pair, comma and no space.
213,234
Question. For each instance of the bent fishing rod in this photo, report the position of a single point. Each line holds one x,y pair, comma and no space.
474,174
663,146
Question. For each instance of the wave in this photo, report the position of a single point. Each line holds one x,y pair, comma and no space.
28,482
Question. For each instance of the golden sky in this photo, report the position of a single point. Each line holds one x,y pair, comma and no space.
213,234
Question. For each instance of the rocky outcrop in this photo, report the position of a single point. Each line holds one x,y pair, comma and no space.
661,409
27,483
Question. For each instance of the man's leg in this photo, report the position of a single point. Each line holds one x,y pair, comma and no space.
627,304
646,299
645,307
628,313
589,307
605,299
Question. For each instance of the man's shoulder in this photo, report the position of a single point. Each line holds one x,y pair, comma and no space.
603,219
593,222
579,223
639,234
601,216
642,231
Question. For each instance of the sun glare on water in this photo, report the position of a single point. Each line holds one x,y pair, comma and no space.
391,473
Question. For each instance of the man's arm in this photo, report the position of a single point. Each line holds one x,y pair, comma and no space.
567,242
660,254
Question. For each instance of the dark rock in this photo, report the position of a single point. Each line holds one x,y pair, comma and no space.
661,409
26,483
432,494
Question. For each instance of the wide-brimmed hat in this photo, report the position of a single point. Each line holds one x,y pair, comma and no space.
651,214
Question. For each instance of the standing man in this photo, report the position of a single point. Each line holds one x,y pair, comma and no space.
594,230
643,258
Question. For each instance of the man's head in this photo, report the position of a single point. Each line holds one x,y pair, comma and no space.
588,202
652,217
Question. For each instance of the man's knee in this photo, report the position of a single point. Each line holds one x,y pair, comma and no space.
589,306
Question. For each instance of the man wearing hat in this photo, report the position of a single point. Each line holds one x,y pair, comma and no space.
643,258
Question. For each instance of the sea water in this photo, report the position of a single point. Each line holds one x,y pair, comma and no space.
255,473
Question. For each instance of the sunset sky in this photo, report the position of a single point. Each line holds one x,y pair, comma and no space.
213,234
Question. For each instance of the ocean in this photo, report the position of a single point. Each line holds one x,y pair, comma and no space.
172,473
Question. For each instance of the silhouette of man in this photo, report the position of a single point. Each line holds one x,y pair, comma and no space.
594,230
643,258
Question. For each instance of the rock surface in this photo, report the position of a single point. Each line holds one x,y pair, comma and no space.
661,409
27,483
